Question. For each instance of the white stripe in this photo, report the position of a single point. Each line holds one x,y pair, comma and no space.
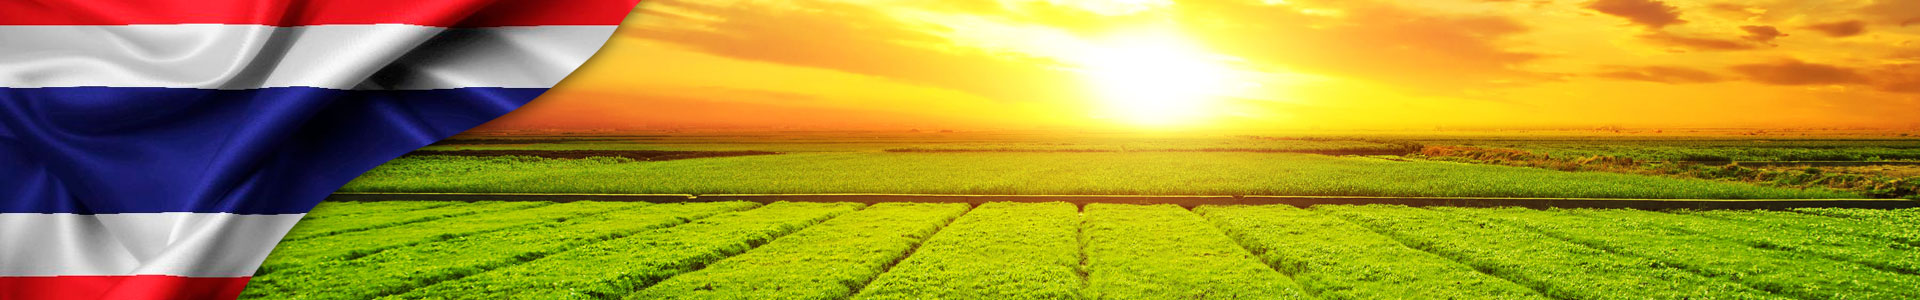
217,56
178,244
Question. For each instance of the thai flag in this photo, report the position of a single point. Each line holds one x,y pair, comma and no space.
158,149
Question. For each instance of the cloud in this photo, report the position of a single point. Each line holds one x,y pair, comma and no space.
1661,74
1650,13
1907,54
1893,78
1756,36
1761,34
1840,29
1074,19
856,39
1899,78
1368,40
1795,72
1695,43
1896,12
1735,11
580,109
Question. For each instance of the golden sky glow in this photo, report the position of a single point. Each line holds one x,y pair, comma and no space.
1251,64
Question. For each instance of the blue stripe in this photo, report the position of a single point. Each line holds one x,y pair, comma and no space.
99,150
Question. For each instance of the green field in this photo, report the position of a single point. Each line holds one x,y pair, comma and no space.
1148,173
1497,164
1710,149
740,250
1000,250
870,141
1685,146
1306,164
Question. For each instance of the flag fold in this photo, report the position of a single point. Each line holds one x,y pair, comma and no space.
158,149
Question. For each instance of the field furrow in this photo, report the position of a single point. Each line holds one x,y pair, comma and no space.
1557,268
1891,217
361,243
1167,252
398,270
999,250
621,266
336,225
1909,235
1335,259
827,261
1878,253
1788,273
329,210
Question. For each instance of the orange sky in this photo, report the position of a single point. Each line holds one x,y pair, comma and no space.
1252,64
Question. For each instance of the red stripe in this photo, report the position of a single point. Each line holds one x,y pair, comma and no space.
438,13
137,287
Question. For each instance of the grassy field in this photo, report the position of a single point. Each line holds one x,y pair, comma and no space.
1679,145
1144,173
1710,149
1443,164
741,250
738,250
901,142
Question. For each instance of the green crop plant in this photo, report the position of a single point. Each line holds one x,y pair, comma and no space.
1336,259
307,229
401,269
361,243
999,250
335,209
1892,217
1878,253
1909,235
622,266
1119,173
1167,252
1787,273
827,261
1557,268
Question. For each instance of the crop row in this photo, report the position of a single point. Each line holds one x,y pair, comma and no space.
361,243
1878,253
1055,250
1787,273
831,260
1336,259
1559,269
330,209
622,266
379,218
1166,252
1892,217
1909,235
398,270
998,251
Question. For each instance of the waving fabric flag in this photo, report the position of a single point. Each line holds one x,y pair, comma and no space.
158,149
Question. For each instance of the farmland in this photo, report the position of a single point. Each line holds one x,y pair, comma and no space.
1152,173
785,250
1701,165
882,248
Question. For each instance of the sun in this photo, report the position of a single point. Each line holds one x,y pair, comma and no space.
1156,79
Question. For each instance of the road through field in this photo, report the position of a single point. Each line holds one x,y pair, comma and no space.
788,250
